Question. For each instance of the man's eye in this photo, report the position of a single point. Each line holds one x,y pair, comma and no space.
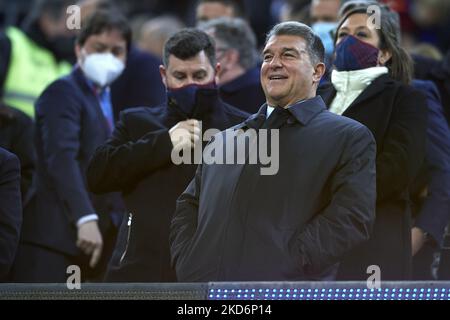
341,35
117,52
267,57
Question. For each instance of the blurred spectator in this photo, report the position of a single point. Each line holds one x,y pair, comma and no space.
10,211
439,72
431,188
259,16
136,23
213,9
324,20
140,83
137,159
239,74
36,54
155,32
427,50
296,10
16,136
73,117
325,10
432,20
370,85
13,12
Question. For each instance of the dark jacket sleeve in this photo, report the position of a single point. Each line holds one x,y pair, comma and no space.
347,221
10,210
58,116
184,221
403,150
23,147
434,213
121,162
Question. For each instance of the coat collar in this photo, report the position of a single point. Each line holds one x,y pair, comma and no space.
303,111
255,121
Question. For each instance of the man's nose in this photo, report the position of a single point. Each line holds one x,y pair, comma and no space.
275,62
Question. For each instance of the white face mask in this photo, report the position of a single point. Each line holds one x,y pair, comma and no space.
102,68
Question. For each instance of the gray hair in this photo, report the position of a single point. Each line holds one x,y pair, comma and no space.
161,27
314,45
235,33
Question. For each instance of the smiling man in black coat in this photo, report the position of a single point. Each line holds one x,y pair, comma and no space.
137,159
233,223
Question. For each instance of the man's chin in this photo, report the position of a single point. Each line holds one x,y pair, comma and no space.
275,101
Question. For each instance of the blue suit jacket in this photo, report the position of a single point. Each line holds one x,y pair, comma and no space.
69,126
434,212
10,210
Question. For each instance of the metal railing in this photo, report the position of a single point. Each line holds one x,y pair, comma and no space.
420,290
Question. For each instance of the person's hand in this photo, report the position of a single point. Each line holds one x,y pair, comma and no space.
90,241
417,239
185,134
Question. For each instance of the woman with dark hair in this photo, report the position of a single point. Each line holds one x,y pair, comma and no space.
369,83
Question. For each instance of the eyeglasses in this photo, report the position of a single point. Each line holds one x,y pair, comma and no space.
220,52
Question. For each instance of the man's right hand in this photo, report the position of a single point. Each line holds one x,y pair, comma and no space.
90,241
185,134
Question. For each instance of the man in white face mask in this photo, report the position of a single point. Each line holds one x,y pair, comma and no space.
101,68
324,20
70,226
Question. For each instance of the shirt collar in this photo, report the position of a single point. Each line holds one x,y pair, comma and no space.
303,110
269,111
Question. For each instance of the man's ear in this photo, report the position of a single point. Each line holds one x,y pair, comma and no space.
163,73
319,71
217,70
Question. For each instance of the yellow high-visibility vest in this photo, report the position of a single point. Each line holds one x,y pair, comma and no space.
31,69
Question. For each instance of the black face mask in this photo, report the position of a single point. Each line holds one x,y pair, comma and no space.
63,48
186,99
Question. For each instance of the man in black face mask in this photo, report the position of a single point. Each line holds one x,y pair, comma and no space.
36,54
137,159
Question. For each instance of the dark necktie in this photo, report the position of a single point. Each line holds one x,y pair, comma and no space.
276,119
